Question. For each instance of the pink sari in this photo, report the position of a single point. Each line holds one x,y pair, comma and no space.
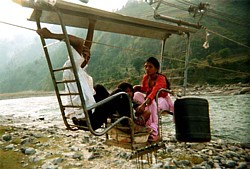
165,103
153,119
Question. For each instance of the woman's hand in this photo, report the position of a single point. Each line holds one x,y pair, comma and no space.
141,108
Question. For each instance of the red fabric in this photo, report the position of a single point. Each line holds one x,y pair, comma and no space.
151,92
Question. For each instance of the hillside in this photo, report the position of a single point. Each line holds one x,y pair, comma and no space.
233,57
117,58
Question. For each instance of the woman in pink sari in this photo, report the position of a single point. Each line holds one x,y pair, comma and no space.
145,94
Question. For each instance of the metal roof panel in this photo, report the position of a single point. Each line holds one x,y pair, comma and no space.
76,15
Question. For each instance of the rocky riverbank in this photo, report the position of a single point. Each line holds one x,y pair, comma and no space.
206,89
43,143
57,148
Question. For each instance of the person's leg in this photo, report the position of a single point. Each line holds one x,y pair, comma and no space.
162,104
99,116
101,92
153,119
122,107
101,113
139,97
119,105
165,104
170,103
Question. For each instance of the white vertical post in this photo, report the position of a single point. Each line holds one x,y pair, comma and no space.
163,42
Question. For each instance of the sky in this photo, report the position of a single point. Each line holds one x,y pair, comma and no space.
11,12
13,39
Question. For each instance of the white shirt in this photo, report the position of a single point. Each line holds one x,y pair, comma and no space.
87,86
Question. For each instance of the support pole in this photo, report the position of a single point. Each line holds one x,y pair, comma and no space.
186,65
163,42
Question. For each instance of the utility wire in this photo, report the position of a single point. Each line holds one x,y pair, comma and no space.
153,54
227,15
17,26
218,15
173,5
179,60
241,44
188,2
219,68
227,20
184,2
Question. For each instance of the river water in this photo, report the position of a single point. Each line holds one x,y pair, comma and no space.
229,115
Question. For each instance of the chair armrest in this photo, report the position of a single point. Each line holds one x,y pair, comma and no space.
118,120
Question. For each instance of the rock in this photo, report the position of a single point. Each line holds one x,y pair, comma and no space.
25,141
55,147
247,158
230,164
245,90
37,135
77,156
198,146
242,165
9,147
41,118
49,166
74,148
245,145
169,167
198,167
156,166
85,140
57,161
6,137
182,163
29,151
35,159
94,156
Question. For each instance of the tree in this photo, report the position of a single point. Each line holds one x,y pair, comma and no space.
224,52
137,63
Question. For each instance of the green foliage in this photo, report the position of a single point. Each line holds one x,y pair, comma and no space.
122,56
224,52
137,63
209,60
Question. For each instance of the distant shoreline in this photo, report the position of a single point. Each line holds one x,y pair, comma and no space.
198,90
24,94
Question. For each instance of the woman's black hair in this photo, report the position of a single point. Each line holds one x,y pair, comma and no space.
156,64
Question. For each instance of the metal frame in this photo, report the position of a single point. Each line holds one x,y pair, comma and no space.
83,106
144,28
